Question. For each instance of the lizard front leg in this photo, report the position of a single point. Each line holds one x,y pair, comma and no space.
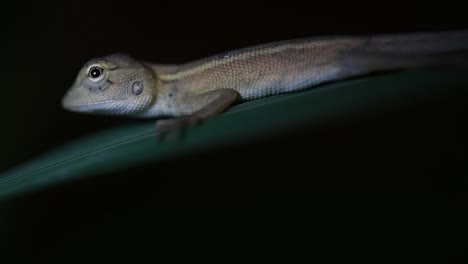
199,108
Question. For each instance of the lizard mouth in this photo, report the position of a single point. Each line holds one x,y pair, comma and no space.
94,106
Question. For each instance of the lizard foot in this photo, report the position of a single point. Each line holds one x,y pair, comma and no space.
169,127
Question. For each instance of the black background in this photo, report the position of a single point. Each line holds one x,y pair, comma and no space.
45,44
243,202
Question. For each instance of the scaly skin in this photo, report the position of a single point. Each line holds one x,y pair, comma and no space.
120,85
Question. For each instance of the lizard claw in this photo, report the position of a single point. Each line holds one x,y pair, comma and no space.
170,127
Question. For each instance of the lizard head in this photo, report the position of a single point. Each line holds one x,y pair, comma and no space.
113,85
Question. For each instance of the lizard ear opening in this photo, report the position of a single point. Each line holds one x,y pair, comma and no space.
137,88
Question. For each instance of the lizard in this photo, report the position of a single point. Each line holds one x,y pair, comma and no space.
182,95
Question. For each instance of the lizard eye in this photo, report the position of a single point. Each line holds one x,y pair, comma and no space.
94,72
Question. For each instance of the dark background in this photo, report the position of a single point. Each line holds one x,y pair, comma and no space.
242,202
45,44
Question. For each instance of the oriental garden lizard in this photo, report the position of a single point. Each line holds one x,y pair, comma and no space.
195,91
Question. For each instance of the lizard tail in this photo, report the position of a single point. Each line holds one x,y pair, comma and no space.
419,43
412,50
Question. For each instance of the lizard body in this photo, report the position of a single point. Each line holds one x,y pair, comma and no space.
121,85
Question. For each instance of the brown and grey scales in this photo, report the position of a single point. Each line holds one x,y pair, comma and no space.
265,70
206,87
296,65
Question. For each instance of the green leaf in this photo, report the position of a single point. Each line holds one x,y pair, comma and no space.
132,145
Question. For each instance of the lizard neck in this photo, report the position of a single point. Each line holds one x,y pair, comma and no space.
164,93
